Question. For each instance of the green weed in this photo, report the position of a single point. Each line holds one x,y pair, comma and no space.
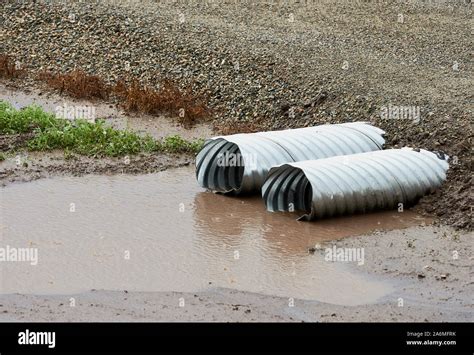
84,137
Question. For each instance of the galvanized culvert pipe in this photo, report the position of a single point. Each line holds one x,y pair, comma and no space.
239,163
354,184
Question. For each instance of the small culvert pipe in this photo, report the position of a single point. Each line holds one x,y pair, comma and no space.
239,163
354,184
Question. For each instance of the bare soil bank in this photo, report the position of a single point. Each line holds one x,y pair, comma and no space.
23,167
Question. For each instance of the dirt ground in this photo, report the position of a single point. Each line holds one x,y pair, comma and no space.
430,286
24,166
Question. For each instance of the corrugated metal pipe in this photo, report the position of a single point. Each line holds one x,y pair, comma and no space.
354,184
239,163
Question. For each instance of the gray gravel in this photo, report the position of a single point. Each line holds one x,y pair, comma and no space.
253,60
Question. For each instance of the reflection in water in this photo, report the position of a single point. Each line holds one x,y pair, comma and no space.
222,218
161,232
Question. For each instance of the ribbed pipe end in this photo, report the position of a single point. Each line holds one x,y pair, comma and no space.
287,189
220,166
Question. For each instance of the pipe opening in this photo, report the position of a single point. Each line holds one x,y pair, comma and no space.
288,190
220,166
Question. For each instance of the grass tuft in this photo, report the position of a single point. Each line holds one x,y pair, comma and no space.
84,137
26,120
176,144
92,139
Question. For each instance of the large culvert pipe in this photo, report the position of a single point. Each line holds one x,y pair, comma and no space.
239,163
354,184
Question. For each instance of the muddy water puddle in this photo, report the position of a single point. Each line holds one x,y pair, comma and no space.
161,232
156,126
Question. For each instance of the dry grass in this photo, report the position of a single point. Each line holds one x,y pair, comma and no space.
188,108
169,99
238,127
77,84
8,68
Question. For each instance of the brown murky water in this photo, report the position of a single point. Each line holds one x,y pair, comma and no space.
161,232
156,126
